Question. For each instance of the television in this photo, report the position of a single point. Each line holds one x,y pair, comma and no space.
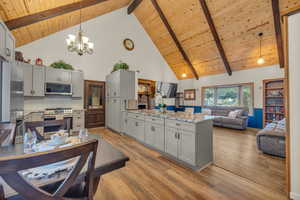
166,90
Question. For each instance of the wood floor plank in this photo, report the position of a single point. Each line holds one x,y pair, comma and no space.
149,175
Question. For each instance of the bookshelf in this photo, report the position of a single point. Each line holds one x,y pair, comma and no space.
273,106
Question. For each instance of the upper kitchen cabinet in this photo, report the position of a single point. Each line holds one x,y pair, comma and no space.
122,84
77,84
34,80
54,75
7,43
2,39
10,46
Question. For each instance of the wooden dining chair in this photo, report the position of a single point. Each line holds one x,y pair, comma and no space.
10,166
7,130
32,126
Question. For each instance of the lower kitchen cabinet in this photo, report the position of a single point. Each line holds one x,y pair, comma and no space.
187,147
187,143
154,135
181,144
171,141
136,129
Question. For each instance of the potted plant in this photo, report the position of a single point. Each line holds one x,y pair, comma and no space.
120,66
61,65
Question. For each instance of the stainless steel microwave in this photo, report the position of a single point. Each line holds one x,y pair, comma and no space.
58,89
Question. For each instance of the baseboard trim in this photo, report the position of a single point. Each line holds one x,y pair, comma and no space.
295,196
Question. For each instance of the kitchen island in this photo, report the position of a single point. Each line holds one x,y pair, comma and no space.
185,138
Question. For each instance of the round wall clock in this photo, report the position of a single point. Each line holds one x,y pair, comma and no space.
128,44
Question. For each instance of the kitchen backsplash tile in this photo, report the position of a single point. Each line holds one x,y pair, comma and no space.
41,103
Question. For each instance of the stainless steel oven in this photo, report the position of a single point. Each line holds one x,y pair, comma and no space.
58,89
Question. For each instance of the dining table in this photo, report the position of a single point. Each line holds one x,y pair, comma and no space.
108,159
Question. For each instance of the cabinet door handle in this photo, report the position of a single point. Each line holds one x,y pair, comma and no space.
125,120
178,136
152,128
7,52
177,124
136,123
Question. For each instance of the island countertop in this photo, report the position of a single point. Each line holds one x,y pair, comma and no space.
180,116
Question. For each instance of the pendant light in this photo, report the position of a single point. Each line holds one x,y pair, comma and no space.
81,45
261,59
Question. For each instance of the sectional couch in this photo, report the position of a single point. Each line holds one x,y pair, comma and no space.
222,116
271,139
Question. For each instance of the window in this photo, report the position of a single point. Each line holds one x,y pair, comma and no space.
229,95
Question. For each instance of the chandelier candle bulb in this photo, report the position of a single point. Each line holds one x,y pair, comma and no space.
72,37
91,45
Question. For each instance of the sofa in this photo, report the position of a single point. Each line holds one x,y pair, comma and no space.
223,119
271,139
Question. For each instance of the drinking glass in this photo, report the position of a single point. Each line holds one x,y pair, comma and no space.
30,139
83,134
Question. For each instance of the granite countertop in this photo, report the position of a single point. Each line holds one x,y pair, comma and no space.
180,116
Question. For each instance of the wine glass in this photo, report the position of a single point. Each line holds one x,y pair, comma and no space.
83,134
30,139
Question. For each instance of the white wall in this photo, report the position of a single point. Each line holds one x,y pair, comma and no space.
256,75
294,89
107,32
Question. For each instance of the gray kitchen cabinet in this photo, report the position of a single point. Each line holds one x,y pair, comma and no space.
27,74
136,129
187,147
131,127
77,84
121,84
10,46
116,115
38,83
7,43
155,135
139,130
171,141
2,39
34,80
181,145
58,76
124,122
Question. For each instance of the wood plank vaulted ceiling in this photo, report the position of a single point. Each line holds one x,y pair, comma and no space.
237,22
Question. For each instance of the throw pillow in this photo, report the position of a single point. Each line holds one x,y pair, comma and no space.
233,114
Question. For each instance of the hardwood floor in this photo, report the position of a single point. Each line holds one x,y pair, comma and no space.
236,151
148,175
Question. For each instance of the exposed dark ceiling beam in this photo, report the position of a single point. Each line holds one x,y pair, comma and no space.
134,4
171,32
47,14
278,32
215,35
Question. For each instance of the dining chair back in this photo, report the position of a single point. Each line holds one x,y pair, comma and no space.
86,153
32,126
7,133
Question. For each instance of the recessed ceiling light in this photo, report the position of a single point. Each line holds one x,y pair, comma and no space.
261,61
183,75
